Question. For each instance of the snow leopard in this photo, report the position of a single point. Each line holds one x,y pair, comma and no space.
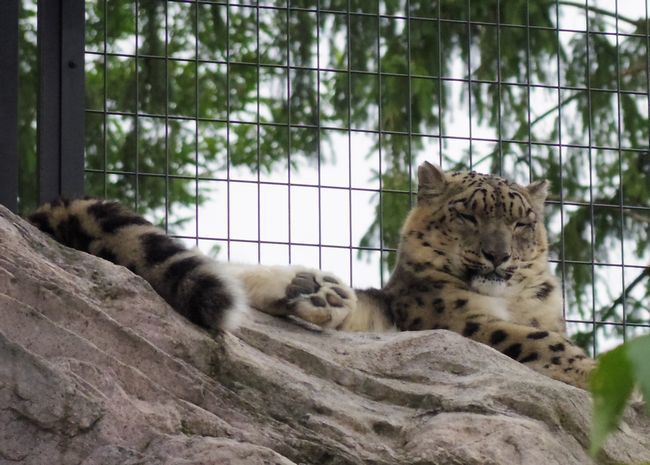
472,258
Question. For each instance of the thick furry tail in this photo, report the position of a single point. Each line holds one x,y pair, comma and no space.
193,284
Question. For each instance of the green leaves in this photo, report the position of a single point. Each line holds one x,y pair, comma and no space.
612,383
638,351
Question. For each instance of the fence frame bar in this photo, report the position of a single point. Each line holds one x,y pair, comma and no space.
9,10
61,32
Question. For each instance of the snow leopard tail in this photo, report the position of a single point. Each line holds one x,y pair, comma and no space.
194,285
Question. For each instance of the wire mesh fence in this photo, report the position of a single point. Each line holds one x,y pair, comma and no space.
289,131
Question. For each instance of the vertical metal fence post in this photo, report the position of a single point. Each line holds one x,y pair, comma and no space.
61,98
9,104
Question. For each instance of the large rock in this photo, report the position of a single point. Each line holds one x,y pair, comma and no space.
97,369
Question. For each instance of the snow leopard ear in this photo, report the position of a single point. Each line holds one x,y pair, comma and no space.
431,182
538,191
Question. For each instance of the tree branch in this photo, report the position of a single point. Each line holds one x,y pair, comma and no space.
640,217
595,9
607,313
523,127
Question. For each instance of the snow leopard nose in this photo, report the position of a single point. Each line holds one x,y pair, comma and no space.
496,257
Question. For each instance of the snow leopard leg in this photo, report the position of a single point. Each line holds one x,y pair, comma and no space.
314,296
546,352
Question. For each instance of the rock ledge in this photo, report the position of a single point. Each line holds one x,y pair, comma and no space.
97,369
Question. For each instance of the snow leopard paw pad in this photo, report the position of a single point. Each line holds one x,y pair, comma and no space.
319,298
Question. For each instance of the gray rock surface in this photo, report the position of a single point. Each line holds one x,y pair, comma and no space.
96,369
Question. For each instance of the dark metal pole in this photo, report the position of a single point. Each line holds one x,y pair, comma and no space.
61,98
73,98
9,104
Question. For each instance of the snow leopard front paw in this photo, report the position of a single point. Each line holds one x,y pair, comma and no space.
319,298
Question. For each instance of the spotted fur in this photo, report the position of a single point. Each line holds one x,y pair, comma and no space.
472,259
190,282
484,237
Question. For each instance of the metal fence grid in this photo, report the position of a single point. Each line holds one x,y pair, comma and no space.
289,132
